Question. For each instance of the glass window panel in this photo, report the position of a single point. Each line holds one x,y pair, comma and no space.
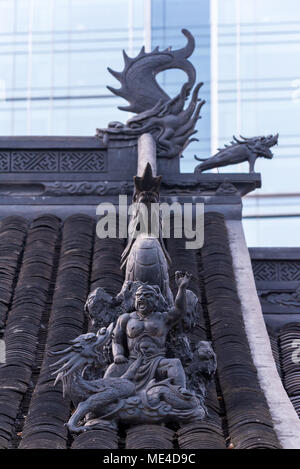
272,232
56,53
7,14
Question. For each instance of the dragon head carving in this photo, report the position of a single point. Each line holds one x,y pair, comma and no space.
84,350
260,145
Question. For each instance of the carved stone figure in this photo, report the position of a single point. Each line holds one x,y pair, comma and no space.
144,333
132,369
138,363
165,118
142,384
246,149
145,256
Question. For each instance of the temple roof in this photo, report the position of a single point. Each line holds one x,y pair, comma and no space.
51,259
47,269
277,276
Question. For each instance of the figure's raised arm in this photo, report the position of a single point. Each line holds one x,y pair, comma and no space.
175,314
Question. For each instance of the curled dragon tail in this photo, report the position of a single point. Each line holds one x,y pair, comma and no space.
138,84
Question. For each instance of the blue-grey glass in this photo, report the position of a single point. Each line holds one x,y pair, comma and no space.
53,74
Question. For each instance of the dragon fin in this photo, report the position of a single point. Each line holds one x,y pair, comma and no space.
199,159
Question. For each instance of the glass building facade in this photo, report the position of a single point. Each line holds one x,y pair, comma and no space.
54,58
53,77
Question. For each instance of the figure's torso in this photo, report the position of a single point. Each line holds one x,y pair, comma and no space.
147,334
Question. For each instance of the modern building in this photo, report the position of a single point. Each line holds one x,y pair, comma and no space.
53,78
53,262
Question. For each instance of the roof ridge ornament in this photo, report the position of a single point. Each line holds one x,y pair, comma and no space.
143,69
239,151
147,182
157,113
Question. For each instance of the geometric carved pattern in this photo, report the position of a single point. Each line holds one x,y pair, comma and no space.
45,161
290,270
264,270
34,160
83,161
276,270
4,161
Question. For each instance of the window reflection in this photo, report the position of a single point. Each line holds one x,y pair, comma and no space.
53,75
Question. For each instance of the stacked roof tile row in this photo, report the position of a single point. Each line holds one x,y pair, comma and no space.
249,423
48,280
277,275
286,351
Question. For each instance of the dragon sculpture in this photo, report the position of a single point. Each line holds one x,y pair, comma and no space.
110,399
165,118
142,361
245,149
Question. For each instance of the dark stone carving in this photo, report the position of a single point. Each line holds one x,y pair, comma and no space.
142,70
282,298
265,270
145,257
276,270
4,161
290,271
34,161
246,149
87,188
226,188
189,187
147,186
49,161
83,161
140,366
142,384
165,118
197,187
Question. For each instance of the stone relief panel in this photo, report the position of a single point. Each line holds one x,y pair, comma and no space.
276,270
48,161
4,161
34,160
83,161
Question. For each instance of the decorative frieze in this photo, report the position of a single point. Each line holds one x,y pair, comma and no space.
83,161
4,161
53,161
34,161
284,298
276,270
59,188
